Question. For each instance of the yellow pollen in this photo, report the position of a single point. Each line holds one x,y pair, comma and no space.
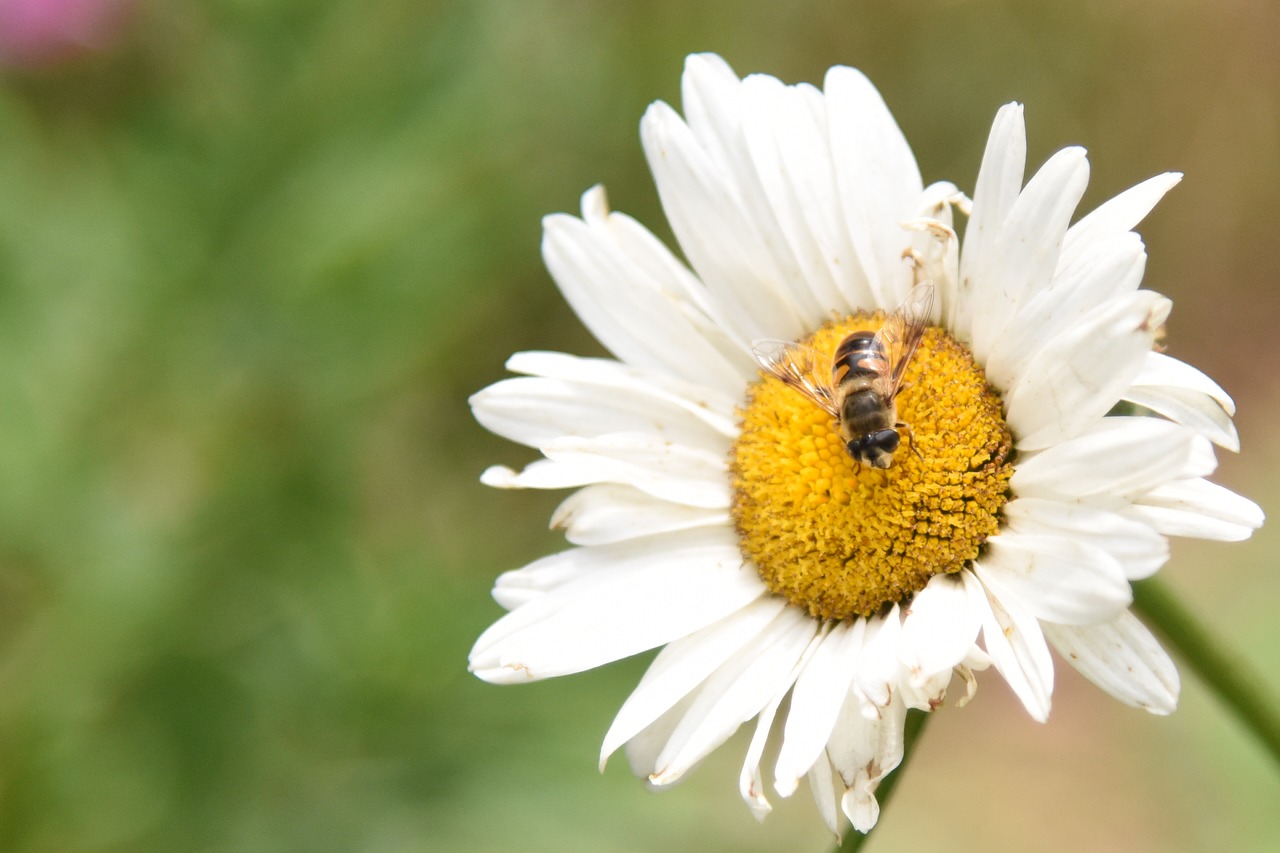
843,542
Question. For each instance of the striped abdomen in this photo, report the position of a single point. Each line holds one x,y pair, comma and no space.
858,367
859,356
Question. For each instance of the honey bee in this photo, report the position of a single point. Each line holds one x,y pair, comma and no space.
858,383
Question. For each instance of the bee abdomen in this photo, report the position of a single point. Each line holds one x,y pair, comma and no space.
859,355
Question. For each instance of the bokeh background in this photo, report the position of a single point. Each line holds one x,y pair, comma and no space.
255,255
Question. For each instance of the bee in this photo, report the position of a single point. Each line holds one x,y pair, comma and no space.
858,383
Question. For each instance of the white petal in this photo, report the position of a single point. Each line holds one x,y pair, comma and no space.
1080,374
655,466
1123,658
750,780
1140,549
860,805
769,105
727,359
1118,215
735,693
626,599
1116,456
1201,509
939,629
1193,525
1015,643
816,699
750,784
631,294
878,667
1026,248
999,182
929,695
716,408
589,567
683,665
822,786
1184,394
734,123
1114,269
864,751
936,246
586,567
535,412
718,236
877,178
643,749
542,474
788,145
1160,369
970,684
1189,408
1061,579
711,96
606,513
977,659
520,586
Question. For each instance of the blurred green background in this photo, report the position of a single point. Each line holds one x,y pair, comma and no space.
254,257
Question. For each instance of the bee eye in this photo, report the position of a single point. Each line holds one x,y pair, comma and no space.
888,440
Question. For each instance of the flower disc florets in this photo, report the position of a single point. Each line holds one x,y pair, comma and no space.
844,540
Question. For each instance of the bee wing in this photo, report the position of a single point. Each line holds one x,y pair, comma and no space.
901,334
803,368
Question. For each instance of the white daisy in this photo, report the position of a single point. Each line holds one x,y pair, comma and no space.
717,513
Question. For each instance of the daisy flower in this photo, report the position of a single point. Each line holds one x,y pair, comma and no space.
718,514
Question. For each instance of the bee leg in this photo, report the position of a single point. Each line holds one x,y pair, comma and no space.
911,438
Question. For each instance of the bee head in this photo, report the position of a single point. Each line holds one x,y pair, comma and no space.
875,448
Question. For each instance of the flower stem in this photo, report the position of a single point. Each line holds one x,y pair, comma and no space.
912,729
1239,689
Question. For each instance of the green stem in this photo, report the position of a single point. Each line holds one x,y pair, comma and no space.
911,733
1240,690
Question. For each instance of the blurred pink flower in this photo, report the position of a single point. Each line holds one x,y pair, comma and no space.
45,32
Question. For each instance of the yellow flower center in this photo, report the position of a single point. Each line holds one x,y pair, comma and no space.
844,540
